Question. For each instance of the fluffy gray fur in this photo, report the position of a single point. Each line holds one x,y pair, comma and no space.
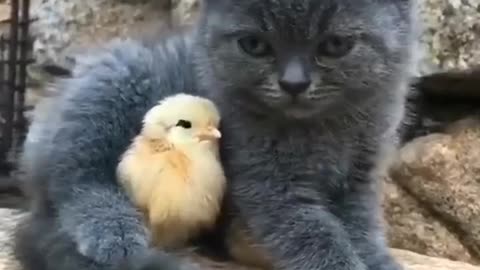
299,167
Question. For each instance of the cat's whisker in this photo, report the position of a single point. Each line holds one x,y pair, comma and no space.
271,92
323,93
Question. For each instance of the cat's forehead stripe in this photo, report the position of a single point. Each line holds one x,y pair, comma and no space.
293,16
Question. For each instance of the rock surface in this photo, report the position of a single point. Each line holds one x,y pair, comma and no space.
414,261
451,34
441,172
413,227
8,218
411,261
63,27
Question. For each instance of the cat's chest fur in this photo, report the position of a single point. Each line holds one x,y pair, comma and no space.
291,157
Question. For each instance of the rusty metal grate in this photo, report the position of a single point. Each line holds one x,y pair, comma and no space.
15,55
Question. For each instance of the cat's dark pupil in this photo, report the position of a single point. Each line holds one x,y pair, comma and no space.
184,123
254,46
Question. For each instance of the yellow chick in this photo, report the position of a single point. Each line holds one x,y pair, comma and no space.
172,170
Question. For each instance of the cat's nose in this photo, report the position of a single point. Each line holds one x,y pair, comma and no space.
294,79
294,87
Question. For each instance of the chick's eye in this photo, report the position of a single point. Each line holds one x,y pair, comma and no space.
184,124
336,46
255,46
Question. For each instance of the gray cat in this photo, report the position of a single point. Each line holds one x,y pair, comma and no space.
311,94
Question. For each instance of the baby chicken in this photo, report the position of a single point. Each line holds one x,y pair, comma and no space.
172,170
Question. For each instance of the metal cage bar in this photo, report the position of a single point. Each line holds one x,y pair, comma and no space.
14,53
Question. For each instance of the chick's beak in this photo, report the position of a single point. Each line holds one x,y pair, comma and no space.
209,133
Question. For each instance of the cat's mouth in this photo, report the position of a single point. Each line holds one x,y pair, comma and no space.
300,106
299,112
306,106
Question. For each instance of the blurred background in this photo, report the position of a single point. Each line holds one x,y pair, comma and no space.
432,191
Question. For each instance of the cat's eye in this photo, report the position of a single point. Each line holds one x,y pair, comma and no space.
184,123
255,46
336,46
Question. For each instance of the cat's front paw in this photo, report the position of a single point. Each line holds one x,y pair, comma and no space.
111,242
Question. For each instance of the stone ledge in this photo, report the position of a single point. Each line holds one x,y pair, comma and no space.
412,261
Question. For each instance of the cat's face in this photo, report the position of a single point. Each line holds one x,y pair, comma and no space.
301,58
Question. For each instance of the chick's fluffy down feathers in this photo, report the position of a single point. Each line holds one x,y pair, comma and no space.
179,188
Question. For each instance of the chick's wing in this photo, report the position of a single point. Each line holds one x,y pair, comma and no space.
148,169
